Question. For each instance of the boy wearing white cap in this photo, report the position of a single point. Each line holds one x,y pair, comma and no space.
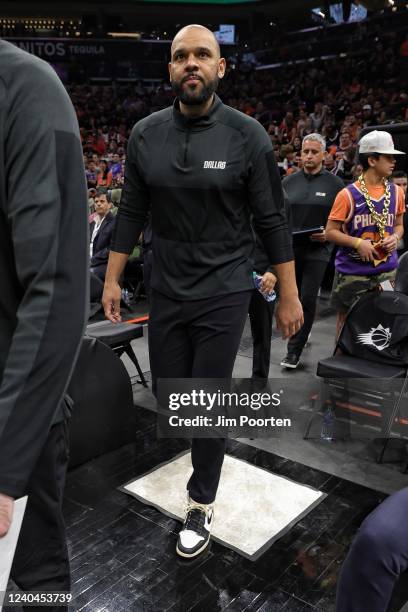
366,222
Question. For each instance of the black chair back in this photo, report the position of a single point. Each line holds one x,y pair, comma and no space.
103,416
376,329
401,279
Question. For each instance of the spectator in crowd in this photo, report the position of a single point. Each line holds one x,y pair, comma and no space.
96,160
331,135
366,222
116,164
317,118
43,270
311,194
345,164
297,145
399,177
118,178
262,114
287,129
91,204
345,143
353,128
329,162
101,230
287,158
91,174
105,175
367,115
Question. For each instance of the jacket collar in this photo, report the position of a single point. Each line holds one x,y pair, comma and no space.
310,177
196,124
107,217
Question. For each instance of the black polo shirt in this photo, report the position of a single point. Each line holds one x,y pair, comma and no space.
311,197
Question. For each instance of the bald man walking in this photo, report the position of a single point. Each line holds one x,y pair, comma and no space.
201,169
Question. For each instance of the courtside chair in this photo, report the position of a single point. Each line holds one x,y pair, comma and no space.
118,336
373,345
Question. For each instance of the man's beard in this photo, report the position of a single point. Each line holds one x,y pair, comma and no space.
190,97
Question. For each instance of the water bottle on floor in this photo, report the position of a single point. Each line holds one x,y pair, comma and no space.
126,296
327,432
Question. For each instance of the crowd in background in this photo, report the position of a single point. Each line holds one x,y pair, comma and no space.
336,97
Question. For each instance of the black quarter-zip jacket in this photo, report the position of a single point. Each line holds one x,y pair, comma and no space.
44,253
202,179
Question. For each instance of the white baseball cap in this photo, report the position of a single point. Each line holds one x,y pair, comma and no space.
378,142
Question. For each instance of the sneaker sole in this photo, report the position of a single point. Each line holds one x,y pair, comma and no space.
289,365
194,554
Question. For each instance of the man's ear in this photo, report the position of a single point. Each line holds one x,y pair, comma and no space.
222,64
169,67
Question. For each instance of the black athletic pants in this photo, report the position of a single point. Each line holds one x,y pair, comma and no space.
41,561
309,277
197,339
261,318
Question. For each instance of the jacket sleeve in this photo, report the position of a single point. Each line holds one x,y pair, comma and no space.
266,198
134,206
46,210
101,257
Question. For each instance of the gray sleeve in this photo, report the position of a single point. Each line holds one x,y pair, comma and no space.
46,211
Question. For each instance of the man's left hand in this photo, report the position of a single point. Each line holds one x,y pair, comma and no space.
268,282
289,315
318,237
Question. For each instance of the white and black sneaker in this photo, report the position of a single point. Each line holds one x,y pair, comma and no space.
290,361
195,534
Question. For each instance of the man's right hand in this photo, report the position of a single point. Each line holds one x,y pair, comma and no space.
289,315
6,513
112,294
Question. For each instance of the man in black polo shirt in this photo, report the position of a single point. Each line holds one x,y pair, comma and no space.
202,169
311,194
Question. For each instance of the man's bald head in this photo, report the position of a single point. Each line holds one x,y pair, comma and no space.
195,68
207,35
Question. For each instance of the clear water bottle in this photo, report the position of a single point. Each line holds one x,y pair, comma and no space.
126,296
269,297
327,432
